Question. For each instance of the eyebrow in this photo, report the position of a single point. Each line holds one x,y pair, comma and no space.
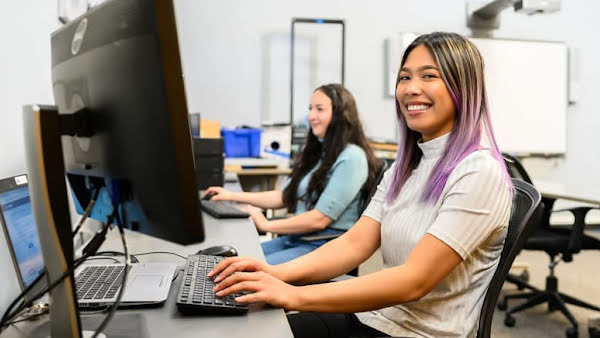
405,69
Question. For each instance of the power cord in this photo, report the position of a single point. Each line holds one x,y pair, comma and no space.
114,307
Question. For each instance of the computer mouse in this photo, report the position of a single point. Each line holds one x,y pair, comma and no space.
219,250
208,196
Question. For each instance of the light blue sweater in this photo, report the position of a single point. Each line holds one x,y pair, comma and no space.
340,198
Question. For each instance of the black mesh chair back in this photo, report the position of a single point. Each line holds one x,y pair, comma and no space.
515,168
383,166
524,217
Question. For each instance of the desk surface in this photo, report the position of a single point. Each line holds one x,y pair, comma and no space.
165,321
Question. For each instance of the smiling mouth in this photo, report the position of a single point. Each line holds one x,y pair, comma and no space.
417,108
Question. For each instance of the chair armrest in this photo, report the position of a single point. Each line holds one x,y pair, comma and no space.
576,238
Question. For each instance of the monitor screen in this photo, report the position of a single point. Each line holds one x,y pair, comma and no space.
21,233
118,69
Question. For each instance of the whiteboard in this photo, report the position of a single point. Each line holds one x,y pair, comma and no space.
527,85
527,92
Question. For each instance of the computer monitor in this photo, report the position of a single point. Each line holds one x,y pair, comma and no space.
21,233
123,123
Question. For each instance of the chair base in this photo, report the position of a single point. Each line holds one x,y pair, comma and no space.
556,301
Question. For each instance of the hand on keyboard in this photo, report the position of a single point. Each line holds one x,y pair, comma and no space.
264,288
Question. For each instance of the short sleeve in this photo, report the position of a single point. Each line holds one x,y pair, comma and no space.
475,202
348,175
375,208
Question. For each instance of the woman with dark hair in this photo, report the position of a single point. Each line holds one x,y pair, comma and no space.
440,216
330,180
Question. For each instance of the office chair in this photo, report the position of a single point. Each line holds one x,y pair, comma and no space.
559,241
525,215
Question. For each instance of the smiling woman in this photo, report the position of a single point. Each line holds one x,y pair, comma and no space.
329,184
439,217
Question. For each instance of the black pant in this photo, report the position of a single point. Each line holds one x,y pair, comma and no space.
330,325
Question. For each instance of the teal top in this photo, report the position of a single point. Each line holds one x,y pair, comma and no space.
340,198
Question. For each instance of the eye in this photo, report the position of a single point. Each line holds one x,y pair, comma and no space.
403,78
429,76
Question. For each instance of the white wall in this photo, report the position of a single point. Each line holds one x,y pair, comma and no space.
25,27
222,51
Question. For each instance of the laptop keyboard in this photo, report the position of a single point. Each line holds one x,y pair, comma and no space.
99,282
195,292
222,209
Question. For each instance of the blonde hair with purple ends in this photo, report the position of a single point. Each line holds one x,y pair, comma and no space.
462,70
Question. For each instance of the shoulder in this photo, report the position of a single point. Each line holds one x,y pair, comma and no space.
480,163
352,151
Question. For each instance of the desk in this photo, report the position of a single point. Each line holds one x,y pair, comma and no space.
165,321
257,174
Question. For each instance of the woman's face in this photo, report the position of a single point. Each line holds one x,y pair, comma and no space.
423,96
319,113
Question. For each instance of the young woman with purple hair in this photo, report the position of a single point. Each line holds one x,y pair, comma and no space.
440,217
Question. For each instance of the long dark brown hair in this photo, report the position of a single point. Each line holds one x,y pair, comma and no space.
345,127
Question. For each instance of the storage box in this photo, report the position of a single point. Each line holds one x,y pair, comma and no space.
243,142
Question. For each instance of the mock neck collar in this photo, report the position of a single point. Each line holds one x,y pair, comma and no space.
433,149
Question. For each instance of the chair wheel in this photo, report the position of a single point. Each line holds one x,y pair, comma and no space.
572,332
509,320
524,276
503,305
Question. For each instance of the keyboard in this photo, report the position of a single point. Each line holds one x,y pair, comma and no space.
195,292
99,282
222,209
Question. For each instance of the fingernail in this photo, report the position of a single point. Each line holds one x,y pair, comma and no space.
219,293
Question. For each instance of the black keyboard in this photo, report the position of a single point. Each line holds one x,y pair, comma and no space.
222,209
195,292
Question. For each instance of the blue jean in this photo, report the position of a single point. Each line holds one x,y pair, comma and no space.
288,247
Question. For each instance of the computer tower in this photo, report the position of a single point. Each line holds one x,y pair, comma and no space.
209,158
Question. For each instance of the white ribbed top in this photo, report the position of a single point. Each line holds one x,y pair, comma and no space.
471,216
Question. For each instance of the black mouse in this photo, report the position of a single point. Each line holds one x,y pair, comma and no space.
208,196
219,250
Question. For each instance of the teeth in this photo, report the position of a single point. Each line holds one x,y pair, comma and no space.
417,107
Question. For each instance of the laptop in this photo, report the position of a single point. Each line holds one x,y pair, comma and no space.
97,284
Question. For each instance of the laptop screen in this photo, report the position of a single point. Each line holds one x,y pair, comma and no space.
17,218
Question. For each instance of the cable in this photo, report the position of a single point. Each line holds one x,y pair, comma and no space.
88,251
114,307
7,315
87,211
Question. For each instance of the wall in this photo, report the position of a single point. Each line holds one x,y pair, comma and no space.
25,27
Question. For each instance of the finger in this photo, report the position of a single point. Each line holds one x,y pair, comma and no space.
250,286
236,278
223,265
241,265
255,297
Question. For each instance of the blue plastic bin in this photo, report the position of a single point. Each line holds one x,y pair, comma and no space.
241,142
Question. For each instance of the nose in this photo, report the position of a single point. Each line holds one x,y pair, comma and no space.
311,114
413,87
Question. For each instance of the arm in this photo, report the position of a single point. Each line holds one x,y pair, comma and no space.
267,199
428,264
357,244
309,221
348,175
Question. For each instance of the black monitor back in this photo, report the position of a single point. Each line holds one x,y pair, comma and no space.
121,63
